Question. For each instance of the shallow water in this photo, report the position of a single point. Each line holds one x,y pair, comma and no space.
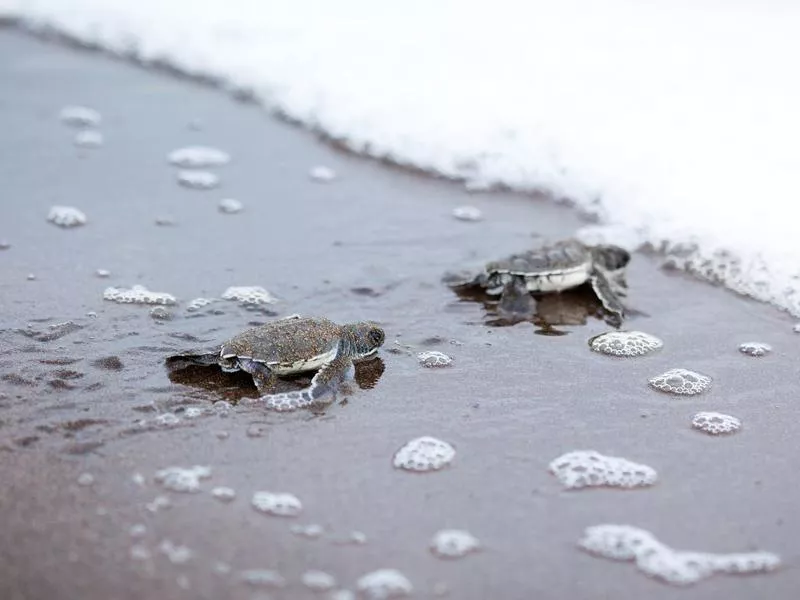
95,396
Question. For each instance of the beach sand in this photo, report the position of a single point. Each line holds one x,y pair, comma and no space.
372,244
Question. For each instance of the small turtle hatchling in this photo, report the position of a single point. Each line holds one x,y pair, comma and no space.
554,268
293,345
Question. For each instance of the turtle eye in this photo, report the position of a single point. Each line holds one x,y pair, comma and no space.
376,336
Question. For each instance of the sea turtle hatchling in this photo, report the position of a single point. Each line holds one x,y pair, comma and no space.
554,268
289,346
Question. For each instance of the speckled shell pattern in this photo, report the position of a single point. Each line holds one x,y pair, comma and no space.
286,342
558,257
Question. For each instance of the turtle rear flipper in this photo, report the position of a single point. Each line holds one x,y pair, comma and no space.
323,386
181,361
605,293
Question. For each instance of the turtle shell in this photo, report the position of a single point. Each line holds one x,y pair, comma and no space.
287,346
553,268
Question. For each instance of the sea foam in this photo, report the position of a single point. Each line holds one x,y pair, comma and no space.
686,144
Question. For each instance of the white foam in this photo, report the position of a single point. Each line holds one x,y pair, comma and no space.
322,174
66,216
424,453
625,343
383,584
652,152
467,213
224,494
103,273
715,423
198,157
192,412
230,206
434,359
138,530
85,479
249,294
310,531
89,138
177,554
80,116
681,381
755,348
586,468
652,557
179,479
158,503
263,578
280,504
198,303
198,180
318,581
454,543
138,294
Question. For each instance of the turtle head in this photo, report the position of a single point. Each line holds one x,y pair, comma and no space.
611,258
366,338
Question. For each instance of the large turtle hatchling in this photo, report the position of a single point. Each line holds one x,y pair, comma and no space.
289,346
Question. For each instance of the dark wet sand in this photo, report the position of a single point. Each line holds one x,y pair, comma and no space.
511,402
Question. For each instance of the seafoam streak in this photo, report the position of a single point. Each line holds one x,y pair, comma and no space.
674,121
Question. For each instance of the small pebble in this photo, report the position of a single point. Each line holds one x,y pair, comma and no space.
31,277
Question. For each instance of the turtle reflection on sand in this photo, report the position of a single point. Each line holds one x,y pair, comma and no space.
562,266
290,346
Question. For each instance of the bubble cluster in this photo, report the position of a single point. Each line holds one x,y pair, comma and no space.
89,138
714,423
587,468
384,584
138,294
653,558
322,174
66,216
755,348
625,343
198,157
223,494
433,359
424,454
249,295
179,479
318,581
454,543
159,313
279,504
263,578
230,206
80,116
681,381
467,213
198,180
198,303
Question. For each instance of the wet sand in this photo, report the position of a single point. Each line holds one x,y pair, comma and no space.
371,245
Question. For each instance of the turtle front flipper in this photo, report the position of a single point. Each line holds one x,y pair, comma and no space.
323,384
262,375
605,293
516,302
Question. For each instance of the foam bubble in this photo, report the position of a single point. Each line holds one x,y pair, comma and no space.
179,479
424,454
137,531
467,213
159,313
177,554
249,294
103,273
454,543
652,557
279,504
224,494
263,578
310,531
89,138
198,303
681,381
85,479
715,423
322,174
138,479
80,116
158,503
318,581
192,412
138,294
167,420
230,206
66,216
198,157
383,584
625,343
755,348
433,359
198,180
587,468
